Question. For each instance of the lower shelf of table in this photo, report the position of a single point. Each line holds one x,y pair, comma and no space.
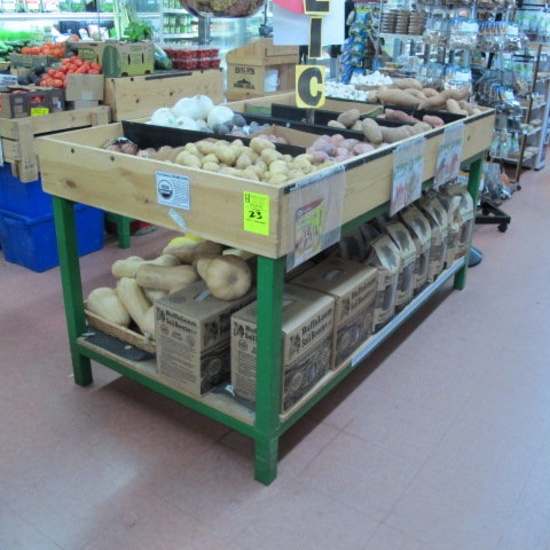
222,407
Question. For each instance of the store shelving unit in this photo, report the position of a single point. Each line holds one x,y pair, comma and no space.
367,192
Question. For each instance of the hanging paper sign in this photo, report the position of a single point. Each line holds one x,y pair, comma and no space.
317,205
408,168
449,154
291,28
310,86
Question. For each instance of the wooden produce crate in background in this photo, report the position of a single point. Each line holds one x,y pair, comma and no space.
18,135
248,66
139,96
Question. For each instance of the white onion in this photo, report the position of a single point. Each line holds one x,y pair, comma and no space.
219,115
163,117
188,107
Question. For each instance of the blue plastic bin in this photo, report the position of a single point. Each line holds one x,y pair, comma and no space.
26,199
31,242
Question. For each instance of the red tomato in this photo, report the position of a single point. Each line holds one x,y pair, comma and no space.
51,72
57,83
94,71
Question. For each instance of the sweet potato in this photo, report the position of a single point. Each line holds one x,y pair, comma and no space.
429,92
349,118
392,135
433,120
401,116
372,131
395,96
404,83
453,107
436,101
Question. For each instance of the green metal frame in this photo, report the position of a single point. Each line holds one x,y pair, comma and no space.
267,427
123,228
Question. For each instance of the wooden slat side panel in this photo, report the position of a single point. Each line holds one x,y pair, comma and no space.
127,185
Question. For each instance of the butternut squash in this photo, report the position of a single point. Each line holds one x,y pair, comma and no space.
187,253
132,297
170,279
129,266
104,302
227,277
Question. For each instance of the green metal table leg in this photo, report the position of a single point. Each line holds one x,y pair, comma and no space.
268,369
71,285
123,229
473,188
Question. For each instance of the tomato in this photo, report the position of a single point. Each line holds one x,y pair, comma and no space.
57,83
60,75
94,71
95,66
66,61
34,50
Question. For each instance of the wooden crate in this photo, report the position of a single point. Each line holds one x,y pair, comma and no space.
247,66
217,201
139,96
124,334
18,136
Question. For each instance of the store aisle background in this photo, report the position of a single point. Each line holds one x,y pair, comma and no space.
440,440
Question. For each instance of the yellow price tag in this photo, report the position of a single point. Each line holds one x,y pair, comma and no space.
256,213
38,111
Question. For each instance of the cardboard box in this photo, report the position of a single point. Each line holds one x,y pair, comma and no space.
193,335
308,321
29,61
120,58
84,87
33,102
353,286
249,66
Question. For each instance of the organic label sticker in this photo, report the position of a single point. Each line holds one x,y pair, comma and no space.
173,190
256,213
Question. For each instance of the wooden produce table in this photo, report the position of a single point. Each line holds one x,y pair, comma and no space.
18,134
132,181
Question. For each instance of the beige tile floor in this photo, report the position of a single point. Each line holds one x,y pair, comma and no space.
440,441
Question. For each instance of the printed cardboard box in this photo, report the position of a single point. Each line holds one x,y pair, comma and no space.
308,320
120,58
192,334
353,286
32,102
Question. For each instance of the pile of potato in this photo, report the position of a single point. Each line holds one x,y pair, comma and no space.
261,161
